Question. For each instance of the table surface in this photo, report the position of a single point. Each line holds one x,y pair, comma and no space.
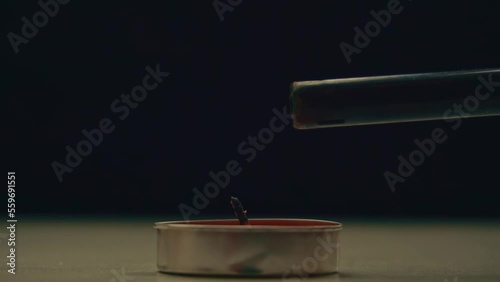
119,251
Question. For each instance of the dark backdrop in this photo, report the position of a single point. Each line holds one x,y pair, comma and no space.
225,79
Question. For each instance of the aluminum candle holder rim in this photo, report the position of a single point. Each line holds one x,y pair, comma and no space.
256,225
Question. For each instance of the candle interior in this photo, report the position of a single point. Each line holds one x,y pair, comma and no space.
264,222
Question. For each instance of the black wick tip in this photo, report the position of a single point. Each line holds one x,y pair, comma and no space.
239,211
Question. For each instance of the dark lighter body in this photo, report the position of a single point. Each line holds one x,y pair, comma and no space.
395,98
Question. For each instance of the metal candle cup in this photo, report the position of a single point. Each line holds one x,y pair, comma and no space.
266,247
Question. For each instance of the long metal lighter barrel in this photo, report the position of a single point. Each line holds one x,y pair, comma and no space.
395,98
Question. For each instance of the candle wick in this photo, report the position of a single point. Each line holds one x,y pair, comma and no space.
239,211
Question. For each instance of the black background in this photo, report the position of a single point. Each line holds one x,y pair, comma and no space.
225,79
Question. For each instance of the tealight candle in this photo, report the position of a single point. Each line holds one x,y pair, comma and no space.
264,247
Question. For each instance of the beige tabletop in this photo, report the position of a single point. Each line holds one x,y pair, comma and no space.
119,251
